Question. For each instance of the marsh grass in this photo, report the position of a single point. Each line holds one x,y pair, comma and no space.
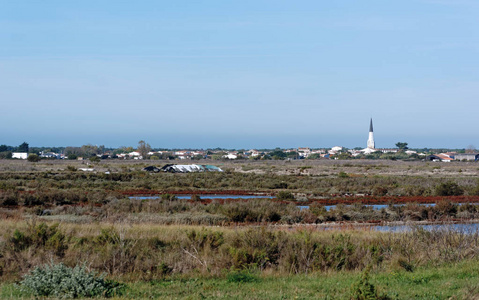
148,251
321,178
452,281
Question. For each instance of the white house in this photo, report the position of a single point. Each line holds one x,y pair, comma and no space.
20,155
337,148
254,152
368,150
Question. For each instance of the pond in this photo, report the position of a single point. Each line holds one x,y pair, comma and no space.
374,206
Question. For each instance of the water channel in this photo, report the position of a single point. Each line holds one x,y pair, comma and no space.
469,228
209,197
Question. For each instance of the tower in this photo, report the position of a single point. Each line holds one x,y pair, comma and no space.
371,136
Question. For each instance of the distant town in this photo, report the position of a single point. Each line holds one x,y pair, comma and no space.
145,152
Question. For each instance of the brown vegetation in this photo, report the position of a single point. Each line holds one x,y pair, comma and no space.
148,252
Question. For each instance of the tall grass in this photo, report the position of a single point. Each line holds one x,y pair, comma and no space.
153,251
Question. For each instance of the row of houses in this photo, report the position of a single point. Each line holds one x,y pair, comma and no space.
450,156
299,153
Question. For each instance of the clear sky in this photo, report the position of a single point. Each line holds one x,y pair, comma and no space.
239,74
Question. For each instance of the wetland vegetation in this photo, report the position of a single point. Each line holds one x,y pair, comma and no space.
53,212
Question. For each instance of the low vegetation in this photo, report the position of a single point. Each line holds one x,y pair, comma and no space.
162,257
57,219
60,281
153,252
314,179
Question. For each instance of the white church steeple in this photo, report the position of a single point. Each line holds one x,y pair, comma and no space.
371,144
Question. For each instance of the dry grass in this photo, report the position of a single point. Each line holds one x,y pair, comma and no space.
148,251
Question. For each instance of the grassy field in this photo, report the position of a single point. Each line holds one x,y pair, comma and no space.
178,260
457,281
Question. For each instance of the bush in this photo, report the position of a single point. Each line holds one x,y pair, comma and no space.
449,189
39,236
169,197
285,196
94,159
60,281
365,290
241,276
9,200
33,158
71,168
446,208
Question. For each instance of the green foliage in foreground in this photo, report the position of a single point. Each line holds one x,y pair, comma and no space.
58,280
453,281
365,290
425,283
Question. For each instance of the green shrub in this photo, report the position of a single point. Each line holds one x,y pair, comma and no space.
169,197
241,276
94,159
60,281
449,189
71,168
365,290
40,236
33,158
285,196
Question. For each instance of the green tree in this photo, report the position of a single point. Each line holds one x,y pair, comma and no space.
73,151
343,155
94,158
143,149
277,154
6,154
292,154
89,150
401,145
72,156
23,147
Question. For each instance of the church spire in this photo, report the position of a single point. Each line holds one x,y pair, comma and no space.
371,144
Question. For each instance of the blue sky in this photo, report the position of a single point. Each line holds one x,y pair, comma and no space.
239,74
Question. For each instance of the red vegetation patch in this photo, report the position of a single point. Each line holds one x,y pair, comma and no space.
194,192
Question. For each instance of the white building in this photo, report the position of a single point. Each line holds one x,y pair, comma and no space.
20,155
254,152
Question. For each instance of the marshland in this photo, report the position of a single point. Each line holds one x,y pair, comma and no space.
191,235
